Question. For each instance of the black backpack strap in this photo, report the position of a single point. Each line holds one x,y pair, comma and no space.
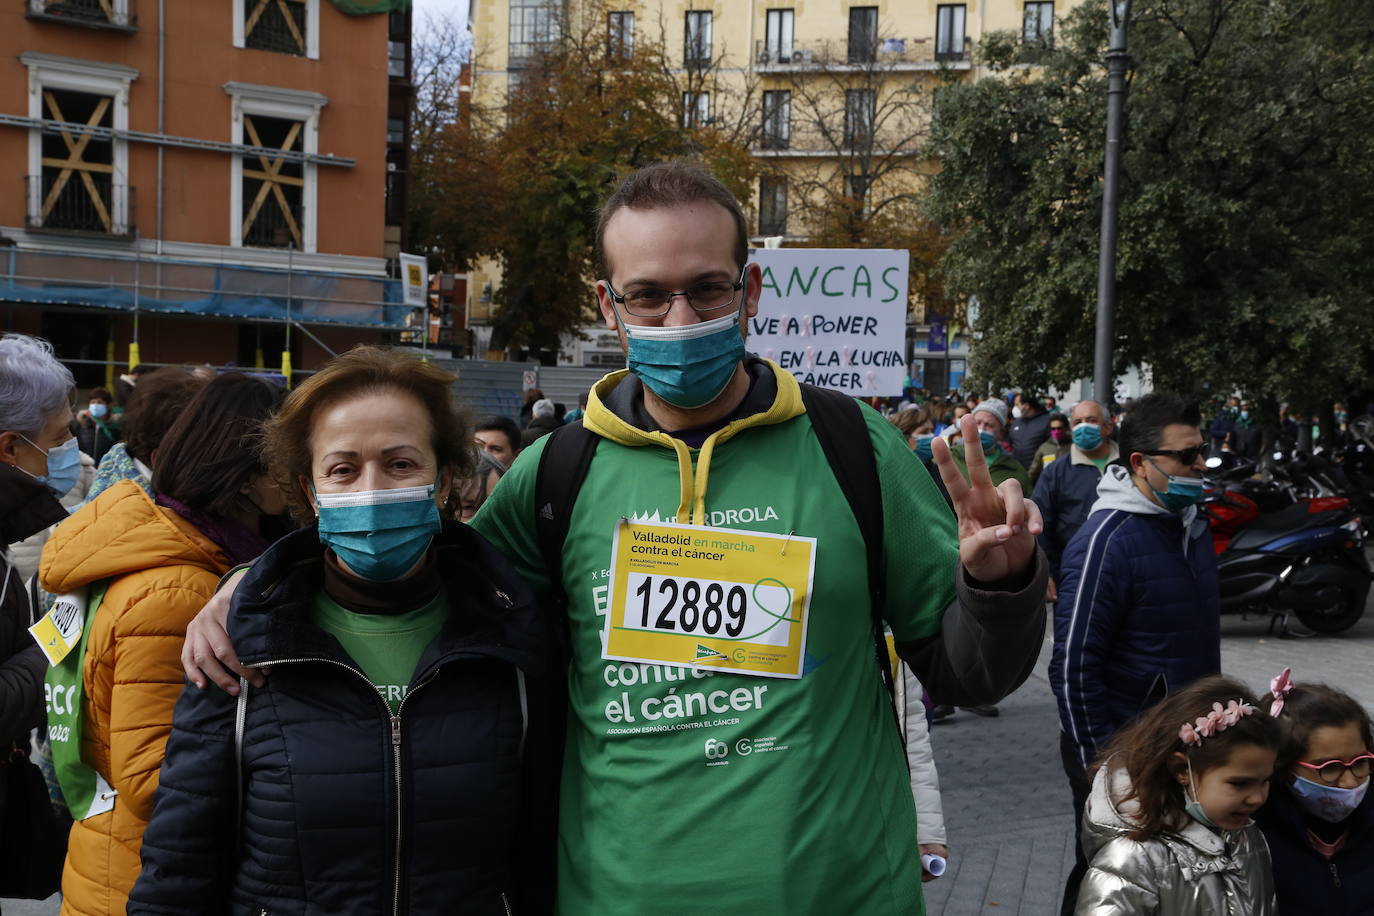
839,424
562,468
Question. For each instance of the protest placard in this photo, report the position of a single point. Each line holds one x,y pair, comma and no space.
834,317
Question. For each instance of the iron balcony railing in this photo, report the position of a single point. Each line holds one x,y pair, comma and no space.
96,14
87,202
897,53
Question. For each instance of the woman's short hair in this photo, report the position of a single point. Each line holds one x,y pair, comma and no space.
211,451
366,369
154,405
33,384
101,393
912,419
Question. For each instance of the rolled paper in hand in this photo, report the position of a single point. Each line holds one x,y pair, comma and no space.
933,864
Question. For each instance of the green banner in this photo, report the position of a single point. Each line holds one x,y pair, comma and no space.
86,791
365,7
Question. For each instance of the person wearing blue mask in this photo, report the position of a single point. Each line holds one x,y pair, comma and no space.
97,427
1139,609
38,464
403,756
990,416
1067,490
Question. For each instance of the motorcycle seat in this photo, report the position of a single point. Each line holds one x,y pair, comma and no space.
1286,521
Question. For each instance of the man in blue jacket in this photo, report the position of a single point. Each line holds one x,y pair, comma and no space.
1067,490
1138,614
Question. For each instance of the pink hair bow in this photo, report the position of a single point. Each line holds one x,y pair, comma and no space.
1280,687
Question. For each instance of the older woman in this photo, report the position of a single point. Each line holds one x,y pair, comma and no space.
38,463
401,757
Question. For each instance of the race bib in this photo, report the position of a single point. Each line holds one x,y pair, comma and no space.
713,598
59,630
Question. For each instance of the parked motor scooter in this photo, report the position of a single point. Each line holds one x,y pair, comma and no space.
1305,558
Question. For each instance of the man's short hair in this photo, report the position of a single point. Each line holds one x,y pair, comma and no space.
670,184
504,425
1143,428
542,408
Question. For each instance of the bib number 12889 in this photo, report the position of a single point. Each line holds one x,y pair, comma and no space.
672,604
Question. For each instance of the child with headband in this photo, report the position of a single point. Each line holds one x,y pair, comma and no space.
1167,826
1319,819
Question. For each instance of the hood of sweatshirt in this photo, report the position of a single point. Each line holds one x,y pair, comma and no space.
616,412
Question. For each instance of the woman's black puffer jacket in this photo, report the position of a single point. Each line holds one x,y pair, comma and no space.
447,807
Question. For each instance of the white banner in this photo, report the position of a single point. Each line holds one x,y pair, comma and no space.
834,317
415,279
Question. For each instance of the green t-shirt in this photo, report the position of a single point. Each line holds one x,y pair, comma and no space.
688,788
387,647
1101,463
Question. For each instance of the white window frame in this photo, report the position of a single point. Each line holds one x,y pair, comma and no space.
50,71
312,27
274,102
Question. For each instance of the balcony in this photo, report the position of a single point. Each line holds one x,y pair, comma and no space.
85,203
837,54
115,15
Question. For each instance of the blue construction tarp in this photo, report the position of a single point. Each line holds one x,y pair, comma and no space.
212,290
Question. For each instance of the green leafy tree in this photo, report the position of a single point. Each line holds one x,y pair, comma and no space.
1246,252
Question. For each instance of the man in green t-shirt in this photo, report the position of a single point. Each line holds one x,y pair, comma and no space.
731,747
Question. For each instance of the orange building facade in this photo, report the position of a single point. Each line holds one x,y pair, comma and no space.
208,181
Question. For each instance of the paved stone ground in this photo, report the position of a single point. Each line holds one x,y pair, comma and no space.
1005,798
1006,801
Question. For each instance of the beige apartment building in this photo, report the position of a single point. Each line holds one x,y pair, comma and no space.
840,94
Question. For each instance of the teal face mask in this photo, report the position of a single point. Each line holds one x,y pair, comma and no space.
1182,492
989,442
690,365
1087,436
379,534
1193,806
922,447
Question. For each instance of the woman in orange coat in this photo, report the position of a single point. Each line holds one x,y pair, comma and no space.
158,559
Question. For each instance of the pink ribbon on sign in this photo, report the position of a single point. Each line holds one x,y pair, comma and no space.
1279,688
872,381
783,318
810,357
847,351
806,326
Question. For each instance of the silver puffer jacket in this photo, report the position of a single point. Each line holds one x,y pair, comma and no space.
1193,872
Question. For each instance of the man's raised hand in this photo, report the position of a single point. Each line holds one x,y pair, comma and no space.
997,525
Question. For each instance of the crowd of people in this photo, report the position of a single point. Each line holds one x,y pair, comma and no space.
345,650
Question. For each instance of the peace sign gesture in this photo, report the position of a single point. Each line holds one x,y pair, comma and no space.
997,525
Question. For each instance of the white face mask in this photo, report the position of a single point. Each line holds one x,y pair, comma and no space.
1016,412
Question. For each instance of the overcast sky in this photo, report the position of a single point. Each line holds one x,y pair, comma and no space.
438,7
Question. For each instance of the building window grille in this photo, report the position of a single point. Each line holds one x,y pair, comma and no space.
276,25
772,206
858,117
108,13
949,31
273,187
697,46
863,34
620,34
778,40
396,58
76,188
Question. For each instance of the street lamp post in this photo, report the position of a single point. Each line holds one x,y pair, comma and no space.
1103,382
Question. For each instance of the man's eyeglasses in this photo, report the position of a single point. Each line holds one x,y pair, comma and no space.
649,302
1186,455
1332,770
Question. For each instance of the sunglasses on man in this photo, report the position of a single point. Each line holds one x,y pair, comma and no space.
1185,455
